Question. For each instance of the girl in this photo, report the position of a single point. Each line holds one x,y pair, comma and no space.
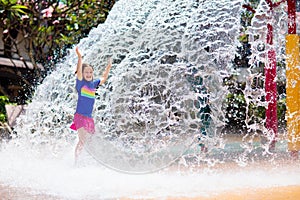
86,87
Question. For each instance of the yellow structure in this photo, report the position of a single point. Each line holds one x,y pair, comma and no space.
293,91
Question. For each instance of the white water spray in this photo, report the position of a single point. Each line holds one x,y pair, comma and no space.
147,115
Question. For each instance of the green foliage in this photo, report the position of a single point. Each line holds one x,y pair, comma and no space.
281,110
11,9
237,113
50,27
3,101
235,110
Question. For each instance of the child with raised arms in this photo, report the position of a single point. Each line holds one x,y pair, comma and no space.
86,87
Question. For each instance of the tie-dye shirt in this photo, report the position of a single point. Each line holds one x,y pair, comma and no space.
86,96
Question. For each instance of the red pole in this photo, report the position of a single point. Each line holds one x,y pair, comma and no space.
291,16
270,84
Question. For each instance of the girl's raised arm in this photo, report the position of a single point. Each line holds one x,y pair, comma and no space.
79,65
106,71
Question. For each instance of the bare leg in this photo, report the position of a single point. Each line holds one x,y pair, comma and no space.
82,135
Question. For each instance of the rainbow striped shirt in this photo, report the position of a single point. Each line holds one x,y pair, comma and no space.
88,92
86,96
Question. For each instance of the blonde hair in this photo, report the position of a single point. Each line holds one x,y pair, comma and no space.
85,65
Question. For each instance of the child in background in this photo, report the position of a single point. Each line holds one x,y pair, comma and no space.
86,87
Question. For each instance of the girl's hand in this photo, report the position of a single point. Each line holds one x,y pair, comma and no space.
79,65
78,52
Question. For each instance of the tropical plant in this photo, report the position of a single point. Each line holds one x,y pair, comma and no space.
48,27
3,101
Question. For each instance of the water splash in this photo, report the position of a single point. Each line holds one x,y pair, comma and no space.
169,61
170,58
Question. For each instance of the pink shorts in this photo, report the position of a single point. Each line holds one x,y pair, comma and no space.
82,121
